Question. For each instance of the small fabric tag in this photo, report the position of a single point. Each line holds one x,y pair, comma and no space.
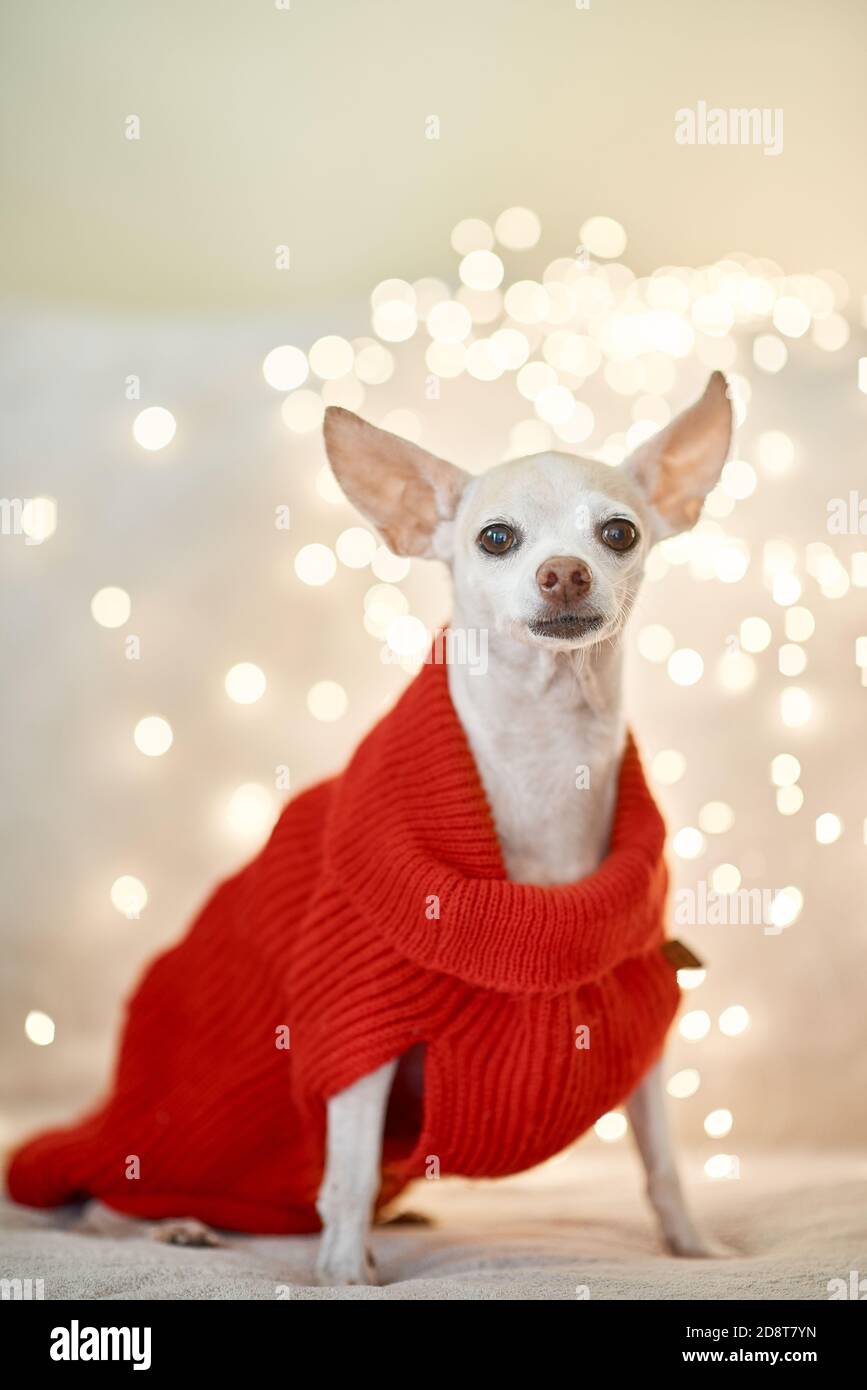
680,956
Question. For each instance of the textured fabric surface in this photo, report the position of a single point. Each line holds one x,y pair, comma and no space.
792,1223
377,919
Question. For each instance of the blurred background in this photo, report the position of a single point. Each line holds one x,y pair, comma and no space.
474,225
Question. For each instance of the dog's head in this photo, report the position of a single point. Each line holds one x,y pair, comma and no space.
549,548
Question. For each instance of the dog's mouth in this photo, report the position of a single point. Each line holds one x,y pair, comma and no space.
566,626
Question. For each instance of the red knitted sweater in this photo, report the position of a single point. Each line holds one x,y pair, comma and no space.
377,918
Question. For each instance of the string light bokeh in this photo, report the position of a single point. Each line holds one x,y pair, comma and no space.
254,626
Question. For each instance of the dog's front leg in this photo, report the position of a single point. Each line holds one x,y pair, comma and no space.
646,1110
356,1119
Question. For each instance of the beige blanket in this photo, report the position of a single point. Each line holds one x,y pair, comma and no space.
576,1228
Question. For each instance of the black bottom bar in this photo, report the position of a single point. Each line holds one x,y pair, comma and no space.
67,1338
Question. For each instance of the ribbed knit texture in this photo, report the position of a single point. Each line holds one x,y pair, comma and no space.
378,917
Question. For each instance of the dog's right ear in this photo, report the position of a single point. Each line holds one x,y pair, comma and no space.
677,467
404,491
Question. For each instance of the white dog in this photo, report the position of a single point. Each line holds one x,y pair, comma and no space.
546,555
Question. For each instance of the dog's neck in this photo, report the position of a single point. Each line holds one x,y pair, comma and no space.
547,733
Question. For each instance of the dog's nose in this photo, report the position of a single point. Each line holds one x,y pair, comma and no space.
563,580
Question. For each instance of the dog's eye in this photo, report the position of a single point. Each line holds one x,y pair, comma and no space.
497,539
619,534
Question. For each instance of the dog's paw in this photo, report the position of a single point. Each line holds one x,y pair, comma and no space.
344,1261
716,1250
330,1274
688,1244
185,1232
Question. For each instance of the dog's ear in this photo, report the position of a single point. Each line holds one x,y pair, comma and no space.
404,491
677,467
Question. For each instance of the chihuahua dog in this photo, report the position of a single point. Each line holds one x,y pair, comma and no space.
546,555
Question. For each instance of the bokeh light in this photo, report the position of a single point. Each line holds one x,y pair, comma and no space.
481,270
39,519
111,607
722,1167
796,706
388,567
39,1028
655,642
518,229
327,701
250,810
374,364
315,564
688,843
755,634
734,1020
725,878
785,770
683,1084
245,683
285,368
694,1025
770,352
303,411
685,666
356,547
718,1123
603,237
154,427
716,817
800,624
828,828
668,767
611,1127
129,895
153,736
471,234
331,357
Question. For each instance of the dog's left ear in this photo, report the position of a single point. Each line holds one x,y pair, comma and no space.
677,467
404,491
